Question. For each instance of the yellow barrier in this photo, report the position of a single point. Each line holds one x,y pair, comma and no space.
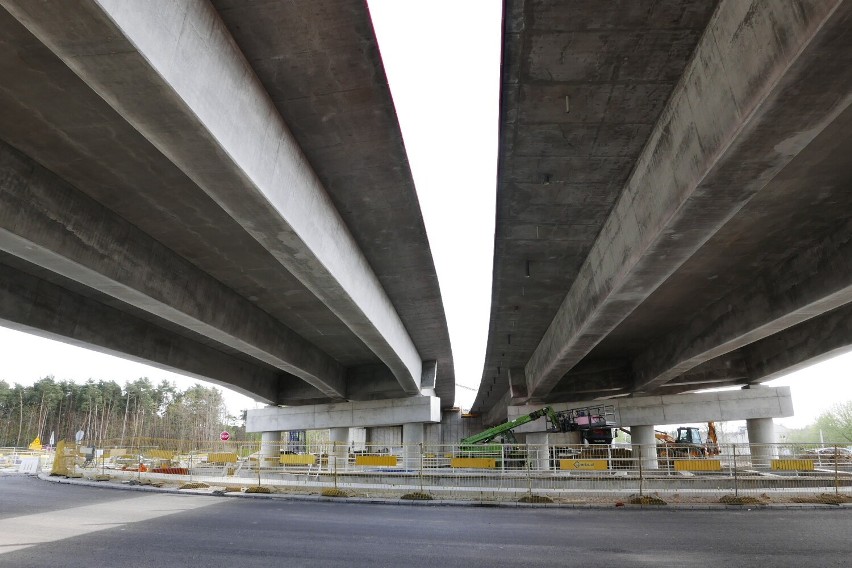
698,465
159,454
117,452
584,465
793,465
222,457
478,463
298,459
376,460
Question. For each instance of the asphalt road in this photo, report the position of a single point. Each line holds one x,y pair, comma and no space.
43,524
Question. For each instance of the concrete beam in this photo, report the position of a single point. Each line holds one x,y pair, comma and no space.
36,306
761,402
346,415
172,70
817,339
45,221
716,145
518,385
797,347
807,285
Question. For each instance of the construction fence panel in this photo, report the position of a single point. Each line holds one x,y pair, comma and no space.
486,472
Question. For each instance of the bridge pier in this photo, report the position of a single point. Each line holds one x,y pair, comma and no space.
540,444
340,441
412,438
645,445
270,447
761,436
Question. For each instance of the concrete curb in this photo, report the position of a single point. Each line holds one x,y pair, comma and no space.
441,502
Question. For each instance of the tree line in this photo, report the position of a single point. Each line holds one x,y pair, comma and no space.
104,410
832,426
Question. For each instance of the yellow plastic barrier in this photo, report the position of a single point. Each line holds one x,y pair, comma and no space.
793,465
698,465
159,454
298,459
376,460
584,465
478,463
222,457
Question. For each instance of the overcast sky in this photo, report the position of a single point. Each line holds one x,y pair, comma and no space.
442,59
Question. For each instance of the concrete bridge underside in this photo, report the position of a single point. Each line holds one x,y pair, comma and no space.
673,197
219,188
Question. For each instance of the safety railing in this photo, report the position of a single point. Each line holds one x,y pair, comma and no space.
490,472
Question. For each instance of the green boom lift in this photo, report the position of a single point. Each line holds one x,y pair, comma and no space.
478,445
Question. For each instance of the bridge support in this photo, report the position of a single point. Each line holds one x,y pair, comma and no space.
344,415
761,437
412,438
270,446
645,445
540,444
339,438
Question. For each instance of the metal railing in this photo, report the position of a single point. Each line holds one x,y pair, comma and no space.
492,472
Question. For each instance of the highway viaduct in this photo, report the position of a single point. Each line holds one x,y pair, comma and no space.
221,188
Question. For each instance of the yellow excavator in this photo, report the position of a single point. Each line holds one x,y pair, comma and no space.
688,442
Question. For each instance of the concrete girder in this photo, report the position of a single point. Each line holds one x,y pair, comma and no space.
805,286
39,307
377,413
230,141
819,338
763,402
725,112
815,340
45,221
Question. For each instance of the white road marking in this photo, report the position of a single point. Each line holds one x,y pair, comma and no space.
21,532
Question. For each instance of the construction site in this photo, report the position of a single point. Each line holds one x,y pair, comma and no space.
688,465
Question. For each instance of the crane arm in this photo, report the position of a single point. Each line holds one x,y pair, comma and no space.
492,433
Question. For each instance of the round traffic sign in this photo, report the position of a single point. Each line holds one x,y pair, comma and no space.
225,436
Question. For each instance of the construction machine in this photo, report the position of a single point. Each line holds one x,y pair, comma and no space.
688,442
594,423
503,433
500,442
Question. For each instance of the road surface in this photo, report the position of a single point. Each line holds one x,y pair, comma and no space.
48,524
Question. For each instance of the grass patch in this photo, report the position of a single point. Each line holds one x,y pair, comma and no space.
646,500
334,493
417,496
258,489
198,485
535,499
731,500
824,499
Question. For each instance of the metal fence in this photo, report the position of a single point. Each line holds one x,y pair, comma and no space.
489,472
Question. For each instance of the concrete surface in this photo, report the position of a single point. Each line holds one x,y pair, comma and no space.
248,532
759,402
375,413
221,188
689,204
178,132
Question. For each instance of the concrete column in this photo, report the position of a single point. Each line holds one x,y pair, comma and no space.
761,433
339,438
541,444
270,447
412,438
643,436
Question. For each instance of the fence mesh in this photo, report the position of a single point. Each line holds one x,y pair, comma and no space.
488,472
